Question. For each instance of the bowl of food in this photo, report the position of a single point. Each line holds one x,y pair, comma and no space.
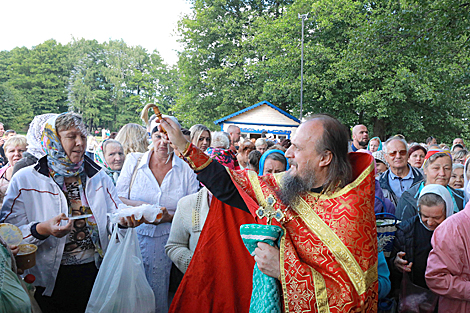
26,257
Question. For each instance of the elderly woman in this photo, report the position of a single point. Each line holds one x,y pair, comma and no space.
14,148
187,225
41,199
34,149
460,156
412,242
272,162
110,156
156,177
133,138
381,164
417,154
375,144
457,178
243,151
448,265
261,145
466,175
437,170
200,136
220,150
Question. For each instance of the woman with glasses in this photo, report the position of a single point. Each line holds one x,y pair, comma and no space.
437,169
460,156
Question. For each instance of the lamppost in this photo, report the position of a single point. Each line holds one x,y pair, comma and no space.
303,17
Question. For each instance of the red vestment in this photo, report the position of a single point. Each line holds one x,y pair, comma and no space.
329,251
219,277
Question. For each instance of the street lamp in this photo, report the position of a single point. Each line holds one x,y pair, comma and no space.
303,17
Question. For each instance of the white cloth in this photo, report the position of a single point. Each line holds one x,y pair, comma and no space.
33,197
34,135
186,228
443,193
178,182
466,187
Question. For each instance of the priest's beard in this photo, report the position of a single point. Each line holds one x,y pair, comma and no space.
294,186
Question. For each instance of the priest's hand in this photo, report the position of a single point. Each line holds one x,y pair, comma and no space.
175,136
401,264
267,258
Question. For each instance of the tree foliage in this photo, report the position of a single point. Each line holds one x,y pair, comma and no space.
108,83
396,66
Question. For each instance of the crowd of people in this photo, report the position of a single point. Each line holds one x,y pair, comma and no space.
323,187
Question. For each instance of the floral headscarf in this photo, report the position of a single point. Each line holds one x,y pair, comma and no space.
223,156
57,159
60,166
100,159
35,133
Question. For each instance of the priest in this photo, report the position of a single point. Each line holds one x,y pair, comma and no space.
327,259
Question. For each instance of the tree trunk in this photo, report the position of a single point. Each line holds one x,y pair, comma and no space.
379,128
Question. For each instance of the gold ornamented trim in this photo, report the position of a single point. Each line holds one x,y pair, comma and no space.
203,166
334,244
278,178
253,177
321,295
349,187
283,274
371,275
185,153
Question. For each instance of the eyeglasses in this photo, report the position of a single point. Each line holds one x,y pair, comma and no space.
395,153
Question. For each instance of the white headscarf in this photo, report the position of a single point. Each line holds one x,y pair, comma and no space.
466,187
34,135
443,193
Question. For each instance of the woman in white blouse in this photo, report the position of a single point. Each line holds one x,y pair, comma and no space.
156,177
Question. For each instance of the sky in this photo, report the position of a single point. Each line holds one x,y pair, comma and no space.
149,23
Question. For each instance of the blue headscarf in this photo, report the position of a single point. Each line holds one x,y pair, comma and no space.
263,159
380,143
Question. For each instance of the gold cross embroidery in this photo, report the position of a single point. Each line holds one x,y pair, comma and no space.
269,212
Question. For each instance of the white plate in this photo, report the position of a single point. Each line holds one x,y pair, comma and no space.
11,234
79,217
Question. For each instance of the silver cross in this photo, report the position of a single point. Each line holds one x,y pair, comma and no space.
269,212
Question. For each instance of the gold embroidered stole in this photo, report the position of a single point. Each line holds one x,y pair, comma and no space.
321,265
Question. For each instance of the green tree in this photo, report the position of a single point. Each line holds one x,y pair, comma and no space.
89,92
15,110
111,82
40,74
217,49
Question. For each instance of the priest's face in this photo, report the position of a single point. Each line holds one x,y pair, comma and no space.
304,161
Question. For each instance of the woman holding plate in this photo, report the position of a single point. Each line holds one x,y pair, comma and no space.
50,201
